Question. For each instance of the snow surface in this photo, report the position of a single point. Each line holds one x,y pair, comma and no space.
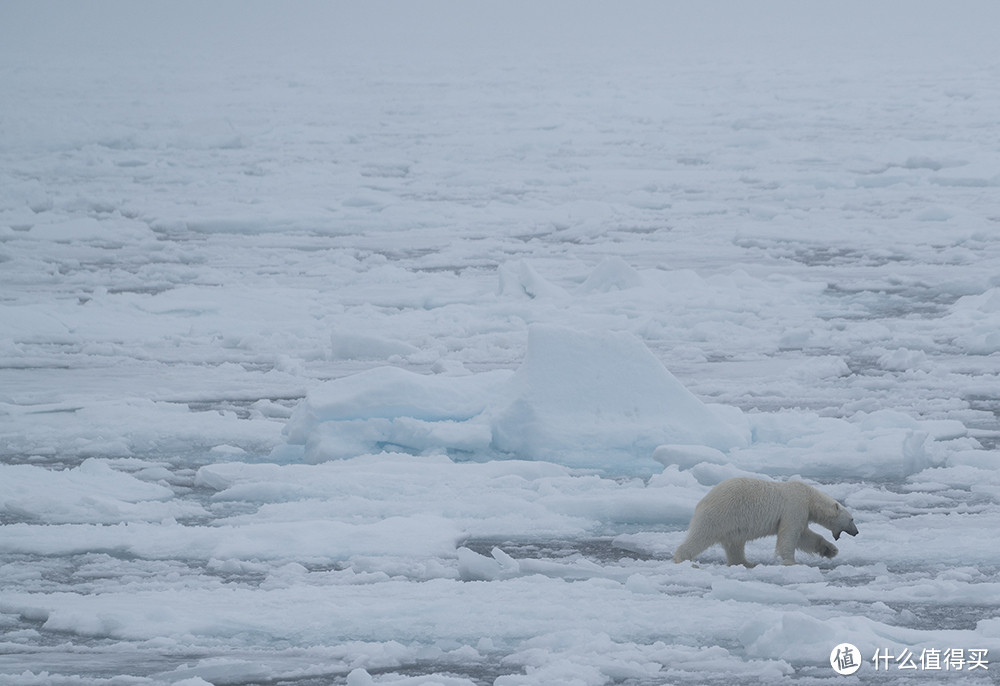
394,343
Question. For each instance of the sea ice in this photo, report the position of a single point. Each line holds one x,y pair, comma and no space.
335,338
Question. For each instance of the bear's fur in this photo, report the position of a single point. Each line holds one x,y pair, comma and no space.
740,510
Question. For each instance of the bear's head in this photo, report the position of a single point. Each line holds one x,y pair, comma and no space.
843,522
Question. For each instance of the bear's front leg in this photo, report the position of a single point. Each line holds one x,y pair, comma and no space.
812,542
736,554
790,532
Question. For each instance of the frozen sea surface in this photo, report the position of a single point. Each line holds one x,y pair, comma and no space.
394,344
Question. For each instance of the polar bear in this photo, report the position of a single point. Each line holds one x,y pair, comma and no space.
739,510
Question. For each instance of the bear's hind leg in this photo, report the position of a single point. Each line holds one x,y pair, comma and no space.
688,550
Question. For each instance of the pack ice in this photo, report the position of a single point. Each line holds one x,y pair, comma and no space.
386,344
599,400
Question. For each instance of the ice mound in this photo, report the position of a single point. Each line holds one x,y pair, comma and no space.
579,399
612,274
519,279
600,400
393,392
389,407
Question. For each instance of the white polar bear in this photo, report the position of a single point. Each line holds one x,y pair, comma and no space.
740,510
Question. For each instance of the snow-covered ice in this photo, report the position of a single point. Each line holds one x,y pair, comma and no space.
393,344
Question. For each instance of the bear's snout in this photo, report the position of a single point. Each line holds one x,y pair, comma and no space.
852,530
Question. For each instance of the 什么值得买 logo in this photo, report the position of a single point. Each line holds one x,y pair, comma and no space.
845,659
